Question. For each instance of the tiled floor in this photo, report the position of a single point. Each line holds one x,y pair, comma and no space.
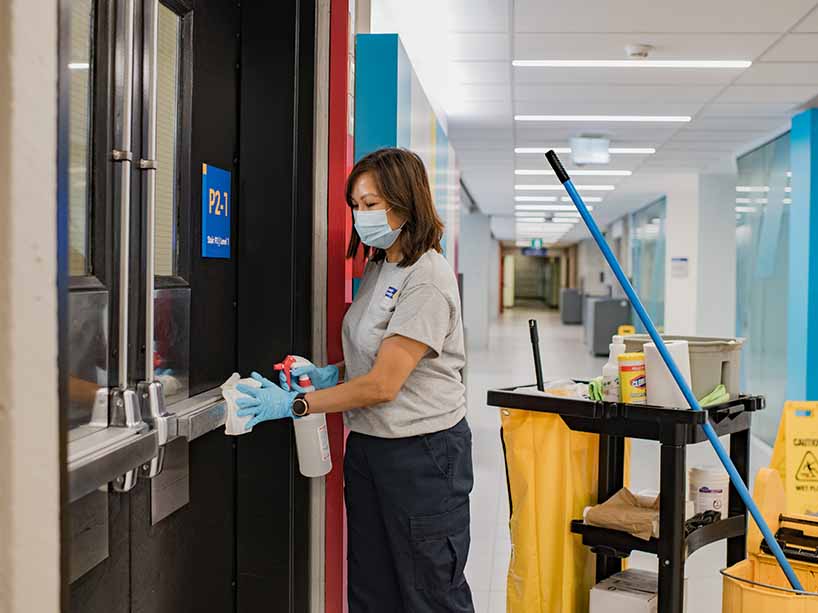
507,361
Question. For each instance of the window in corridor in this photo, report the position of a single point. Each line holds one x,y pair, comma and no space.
648,260
79,129
167,127
762,276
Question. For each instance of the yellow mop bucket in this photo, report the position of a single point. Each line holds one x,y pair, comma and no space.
757,584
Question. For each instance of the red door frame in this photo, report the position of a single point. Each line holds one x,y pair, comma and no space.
339,288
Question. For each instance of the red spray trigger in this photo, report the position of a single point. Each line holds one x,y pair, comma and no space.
286,365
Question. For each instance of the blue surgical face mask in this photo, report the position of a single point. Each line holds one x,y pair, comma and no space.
374,230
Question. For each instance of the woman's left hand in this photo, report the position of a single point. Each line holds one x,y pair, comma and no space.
265,403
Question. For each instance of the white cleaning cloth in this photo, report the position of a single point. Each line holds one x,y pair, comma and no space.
235,425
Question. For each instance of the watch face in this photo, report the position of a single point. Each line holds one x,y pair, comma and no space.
300,407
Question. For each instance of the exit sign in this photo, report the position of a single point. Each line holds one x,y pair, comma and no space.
536,243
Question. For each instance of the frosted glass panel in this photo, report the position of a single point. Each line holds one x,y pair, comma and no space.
167,123
762,276
648,260
79,129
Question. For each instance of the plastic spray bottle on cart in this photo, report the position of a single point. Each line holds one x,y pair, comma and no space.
610,372
311,437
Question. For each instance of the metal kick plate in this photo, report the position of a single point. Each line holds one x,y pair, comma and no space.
170,489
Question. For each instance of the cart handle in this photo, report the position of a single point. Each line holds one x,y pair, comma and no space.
777,588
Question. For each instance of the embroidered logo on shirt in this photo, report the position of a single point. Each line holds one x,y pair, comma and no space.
390,292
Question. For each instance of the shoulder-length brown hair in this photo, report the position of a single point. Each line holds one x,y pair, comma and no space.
401,180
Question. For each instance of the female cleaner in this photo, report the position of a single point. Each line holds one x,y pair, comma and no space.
408,465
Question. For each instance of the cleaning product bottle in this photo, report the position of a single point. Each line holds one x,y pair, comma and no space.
611,391
311,437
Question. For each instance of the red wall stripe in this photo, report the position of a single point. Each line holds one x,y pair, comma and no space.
338,294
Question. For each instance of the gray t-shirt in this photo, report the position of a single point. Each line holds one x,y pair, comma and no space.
420,302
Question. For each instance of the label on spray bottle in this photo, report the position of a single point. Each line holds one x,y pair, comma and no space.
323,442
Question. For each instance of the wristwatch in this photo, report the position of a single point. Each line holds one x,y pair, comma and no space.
300,407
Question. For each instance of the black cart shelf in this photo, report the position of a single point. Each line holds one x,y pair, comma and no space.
674,429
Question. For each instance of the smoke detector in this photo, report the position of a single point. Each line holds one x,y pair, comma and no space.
638,52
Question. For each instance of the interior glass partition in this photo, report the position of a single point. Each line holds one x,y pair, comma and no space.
762,275
648,260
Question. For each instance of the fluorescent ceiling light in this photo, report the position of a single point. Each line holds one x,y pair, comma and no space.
523,243
585,198
746,209
577,172
789,174
734,64
607,118
787,201
788,189
79,66
752,189
535,198
567,214
587,188
533,213
743,200
547,207
564,221
616,150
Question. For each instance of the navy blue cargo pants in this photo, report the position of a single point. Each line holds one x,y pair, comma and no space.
407,506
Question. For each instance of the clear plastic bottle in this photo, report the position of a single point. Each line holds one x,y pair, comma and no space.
312,439
611,391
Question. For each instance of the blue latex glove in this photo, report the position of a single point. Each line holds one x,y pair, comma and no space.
264,403
321,378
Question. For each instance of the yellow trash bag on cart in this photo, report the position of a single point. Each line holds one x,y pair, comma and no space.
552,475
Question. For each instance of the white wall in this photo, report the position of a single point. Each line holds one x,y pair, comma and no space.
716,313
477,263
494,281
682,241
423,27
590,265
701,227
29,414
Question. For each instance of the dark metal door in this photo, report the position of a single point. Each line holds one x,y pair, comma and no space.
236,537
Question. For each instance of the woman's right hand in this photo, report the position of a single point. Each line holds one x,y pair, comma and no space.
321,378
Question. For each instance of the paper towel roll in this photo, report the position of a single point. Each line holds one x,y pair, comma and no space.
662,389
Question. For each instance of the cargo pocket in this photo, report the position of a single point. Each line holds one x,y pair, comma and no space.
440,545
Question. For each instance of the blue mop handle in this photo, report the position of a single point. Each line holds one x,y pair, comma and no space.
738,483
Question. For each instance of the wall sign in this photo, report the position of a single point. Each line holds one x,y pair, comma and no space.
536,252
217,208
679,268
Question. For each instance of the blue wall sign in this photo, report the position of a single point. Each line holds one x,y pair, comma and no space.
217,207
540,253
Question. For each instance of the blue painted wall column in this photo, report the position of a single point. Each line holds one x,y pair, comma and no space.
802,319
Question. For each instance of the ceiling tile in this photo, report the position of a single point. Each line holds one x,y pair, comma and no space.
794,94
762,124
810,24
480,47
747,109
781,73
794,48
652,16
479,15
611,46
656,95
480,72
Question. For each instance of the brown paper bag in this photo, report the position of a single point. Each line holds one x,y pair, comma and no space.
622,511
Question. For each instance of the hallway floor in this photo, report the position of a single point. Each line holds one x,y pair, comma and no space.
507,362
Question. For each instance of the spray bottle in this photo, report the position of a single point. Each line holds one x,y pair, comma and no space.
610,372
311,438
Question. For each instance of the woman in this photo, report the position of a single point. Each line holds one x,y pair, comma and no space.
408,466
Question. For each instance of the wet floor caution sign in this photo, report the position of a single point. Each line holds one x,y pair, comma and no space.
808,470
796,456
